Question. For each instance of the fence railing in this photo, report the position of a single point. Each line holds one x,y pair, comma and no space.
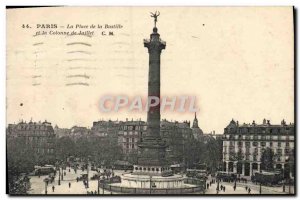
186,190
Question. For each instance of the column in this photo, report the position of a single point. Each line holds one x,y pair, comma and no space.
243,169
226,166
235,167
251,170
258,167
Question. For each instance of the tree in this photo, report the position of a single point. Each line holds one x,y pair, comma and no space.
64,147
20,160
267,159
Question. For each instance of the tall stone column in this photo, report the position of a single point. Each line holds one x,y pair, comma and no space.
153,149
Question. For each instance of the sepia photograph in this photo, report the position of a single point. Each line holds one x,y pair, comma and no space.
147,101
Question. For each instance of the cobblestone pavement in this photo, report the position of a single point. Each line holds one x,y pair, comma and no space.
38,186
241,188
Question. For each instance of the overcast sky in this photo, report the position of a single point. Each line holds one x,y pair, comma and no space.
237,61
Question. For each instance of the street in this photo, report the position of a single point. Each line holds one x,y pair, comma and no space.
38,185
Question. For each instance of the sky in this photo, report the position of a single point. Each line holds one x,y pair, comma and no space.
237,61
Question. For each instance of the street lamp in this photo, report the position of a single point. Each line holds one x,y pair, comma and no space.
46,180
87,182
103,183
218,185
288,178
150,183
259,187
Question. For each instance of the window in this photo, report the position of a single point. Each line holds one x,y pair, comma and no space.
263,144
271,144
254,158
279,151
287,144
254,144
279,144
286,151
247,144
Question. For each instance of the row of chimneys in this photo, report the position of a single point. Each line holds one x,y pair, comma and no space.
265,122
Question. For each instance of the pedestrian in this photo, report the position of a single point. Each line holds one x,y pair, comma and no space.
207,186
246,188
210,183
224,188
95,192
69,184
249,190
53,188
77,179
65,173
91,192
69,169
234,187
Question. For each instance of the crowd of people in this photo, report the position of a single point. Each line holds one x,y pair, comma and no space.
221,187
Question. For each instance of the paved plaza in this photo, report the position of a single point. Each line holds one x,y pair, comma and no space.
241,188
38,186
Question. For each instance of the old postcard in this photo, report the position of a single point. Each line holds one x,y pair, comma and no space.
150,101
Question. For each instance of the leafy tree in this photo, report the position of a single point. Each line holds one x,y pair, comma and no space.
20,160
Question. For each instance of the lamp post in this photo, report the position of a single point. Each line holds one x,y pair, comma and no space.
46,180
218,185
150,184
103,184
260,188
58,175
87,182
289,165
287,178
62,172
98,185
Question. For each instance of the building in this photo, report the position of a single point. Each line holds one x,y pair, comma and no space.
37,135
78,132
106,128
243,146
197,132
130,133
62,132
175,134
